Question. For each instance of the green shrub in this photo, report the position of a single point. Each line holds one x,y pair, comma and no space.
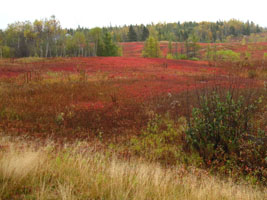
7,52
218,130
228,55
219,124
194,59
169,56
182,57
223,55
162,141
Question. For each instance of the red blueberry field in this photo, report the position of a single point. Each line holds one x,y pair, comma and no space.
113,94
102,94
134,107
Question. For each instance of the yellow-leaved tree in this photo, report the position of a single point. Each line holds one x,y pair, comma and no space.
151,48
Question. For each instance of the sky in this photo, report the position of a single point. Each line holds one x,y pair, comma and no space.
72,13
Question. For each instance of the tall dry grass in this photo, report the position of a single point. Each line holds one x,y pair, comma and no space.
26,173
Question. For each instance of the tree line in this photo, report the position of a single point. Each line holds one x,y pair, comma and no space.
46,38
218,31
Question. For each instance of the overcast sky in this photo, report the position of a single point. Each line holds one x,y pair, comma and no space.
72,13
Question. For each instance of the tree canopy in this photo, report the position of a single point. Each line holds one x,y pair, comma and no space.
46,37
132,36
151,48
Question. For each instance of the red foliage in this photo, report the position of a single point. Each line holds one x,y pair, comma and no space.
139,77
134,49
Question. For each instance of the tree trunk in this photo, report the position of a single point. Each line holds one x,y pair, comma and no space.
64,50
95,49
41,51
89,51
18,42
46,51
56,49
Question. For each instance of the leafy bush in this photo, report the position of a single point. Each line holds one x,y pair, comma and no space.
169,56
162,141
218,132
228,55
195,59
223,55
7,52
182,57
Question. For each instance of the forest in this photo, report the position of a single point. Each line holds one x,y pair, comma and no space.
46,38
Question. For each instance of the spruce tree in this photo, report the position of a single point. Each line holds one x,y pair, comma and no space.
110,49
106,47
145,33
132,36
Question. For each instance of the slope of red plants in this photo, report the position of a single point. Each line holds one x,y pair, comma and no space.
137,76
134,49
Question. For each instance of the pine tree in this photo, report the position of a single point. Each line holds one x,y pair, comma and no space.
132,36
145,33
110,49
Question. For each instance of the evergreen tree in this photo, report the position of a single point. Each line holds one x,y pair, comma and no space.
145,33
132,36
109,47
100,48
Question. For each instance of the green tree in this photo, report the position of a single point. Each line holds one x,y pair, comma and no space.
95,34
38,26
79,40
107,47
151,48
192,47
70,45
145,33
132,36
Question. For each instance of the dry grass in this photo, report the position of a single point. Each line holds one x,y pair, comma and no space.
26,173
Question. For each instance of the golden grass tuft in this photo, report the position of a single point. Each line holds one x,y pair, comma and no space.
46,174
16,166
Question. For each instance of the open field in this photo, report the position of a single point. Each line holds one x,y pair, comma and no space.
115,127
100,93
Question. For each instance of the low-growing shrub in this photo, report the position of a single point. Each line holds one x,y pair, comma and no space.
169,56
194,59
219,131
29,60
182,57
162,141
228,55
